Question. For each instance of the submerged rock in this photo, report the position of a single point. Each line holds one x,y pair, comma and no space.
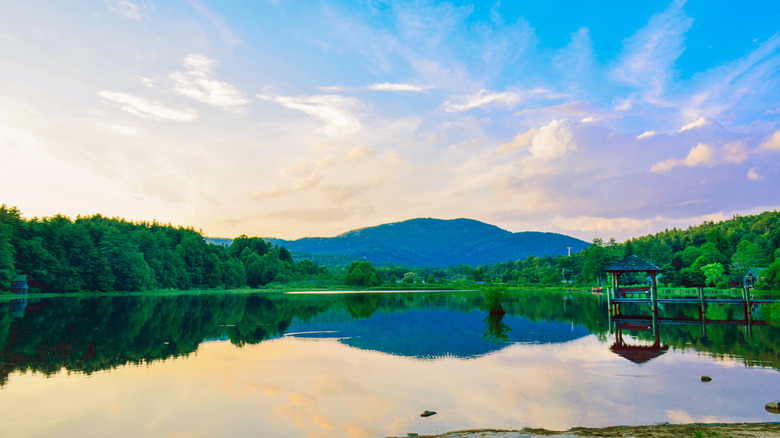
706,379
428,413
773,407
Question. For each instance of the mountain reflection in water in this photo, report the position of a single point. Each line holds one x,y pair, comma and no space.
308,364
90,334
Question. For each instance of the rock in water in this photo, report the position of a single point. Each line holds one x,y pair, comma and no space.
773,407
428,413
706,379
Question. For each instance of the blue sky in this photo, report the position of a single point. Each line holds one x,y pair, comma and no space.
311,118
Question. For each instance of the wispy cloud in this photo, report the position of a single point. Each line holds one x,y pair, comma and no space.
646,134
387,86
127,8
482,99
735,86
649,55
196,82
696,124
334,110
225,32
143,108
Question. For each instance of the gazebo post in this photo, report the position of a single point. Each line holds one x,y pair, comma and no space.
654,293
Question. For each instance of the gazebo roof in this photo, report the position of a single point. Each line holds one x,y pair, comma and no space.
633,263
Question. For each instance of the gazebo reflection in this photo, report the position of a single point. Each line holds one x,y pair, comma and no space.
638,354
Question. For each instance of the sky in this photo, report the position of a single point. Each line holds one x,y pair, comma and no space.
311,118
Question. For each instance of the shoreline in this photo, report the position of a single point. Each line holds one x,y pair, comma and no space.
694,430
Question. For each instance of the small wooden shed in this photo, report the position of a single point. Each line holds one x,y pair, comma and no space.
19,285
751,276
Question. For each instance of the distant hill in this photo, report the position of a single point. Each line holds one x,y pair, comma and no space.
432,242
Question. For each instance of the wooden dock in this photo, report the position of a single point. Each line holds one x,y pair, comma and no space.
618,295
618,320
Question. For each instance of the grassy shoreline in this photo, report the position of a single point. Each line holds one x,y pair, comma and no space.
282,288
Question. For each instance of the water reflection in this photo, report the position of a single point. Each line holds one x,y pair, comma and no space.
90,334
17,306
309,364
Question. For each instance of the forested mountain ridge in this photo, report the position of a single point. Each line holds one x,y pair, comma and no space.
713,254
435,242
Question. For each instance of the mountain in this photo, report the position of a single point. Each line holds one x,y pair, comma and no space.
433,242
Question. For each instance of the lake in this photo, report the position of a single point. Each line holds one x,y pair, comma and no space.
368,364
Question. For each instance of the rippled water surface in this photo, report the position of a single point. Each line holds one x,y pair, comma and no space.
367,365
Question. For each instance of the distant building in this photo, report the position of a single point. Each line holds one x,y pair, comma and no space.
753,275
19,285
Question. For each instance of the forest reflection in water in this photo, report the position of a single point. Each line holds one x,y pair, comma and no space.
365,364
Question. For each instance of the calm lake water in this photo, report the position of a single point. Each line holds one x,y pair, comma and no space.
367,365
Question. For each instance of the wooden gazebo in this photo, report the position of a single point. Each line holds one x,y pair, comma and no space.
632,263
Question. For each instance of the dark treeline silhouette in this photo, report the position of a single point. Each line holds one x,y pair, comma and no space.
96,253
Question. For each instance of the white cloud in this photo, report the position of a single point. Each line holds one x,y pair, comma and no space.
333,89
772,143
332,109
386,86
699,154
146,81
589,119
483,98
126,8
696,124
144,108
521,141
753,174
706,155
196,83
553,141
646,134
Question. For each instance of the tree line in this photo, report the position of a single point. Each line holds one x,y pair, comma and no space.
97,253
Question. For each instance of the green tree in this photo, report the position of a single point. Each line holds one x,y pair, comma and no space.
362,274
596,259
411,278
747,255
714,274
7,255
